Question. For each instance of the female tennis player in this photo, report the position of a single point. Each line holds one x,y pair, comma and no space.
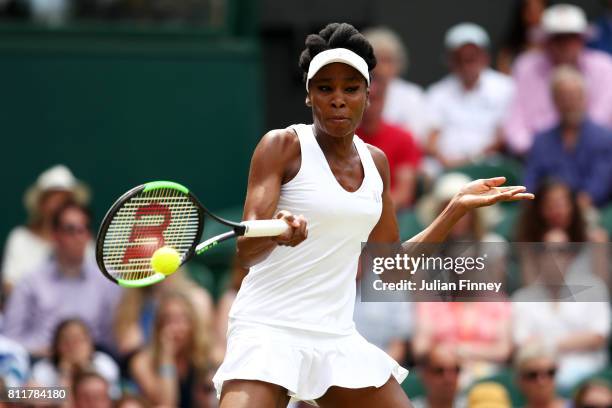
291,330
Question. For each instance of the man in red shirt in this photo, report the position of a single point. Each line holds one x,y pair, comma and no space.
402,151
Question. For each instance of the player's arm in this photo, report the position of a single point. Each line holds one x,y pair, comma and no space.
273,162
478,193
386,230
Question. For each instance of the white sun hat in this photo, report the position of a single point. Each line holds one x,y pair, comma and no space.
56,178
466,33
564,19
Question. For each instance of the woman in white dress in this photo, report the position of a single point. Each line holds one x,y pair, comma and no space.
291,330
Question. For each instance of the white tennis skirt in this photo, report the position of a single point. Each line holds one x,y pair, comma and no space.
304,362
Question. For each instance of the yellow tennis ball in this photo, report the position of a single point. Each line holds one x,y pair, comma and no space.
165,260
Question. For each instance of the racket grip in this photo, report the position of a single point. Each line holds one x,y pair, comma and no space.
264,228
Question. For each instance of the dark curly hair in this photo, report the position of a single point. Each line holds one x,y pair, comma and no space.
337,35
532,227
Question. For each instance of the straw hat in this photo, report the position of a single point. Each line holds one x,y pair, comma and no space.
488,395
444,189
57,178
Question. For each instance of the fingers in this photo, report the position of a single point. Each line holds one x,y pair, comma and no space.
297,232
513,191
513,195
508,188
522,196
495,181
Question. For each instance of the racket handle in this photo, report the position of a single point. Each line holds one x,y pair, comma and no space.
264,228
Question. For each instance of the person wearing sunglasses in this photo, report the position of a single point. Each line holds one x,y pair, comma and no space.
595,393
439,371
67,285
552,310
536,366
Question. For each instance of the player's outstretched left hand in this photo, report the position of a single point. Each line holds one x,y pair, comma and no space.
484,192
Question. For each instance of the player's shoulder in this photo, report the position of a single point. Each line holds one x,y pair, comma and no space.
278,145
280,139
379,157
281,136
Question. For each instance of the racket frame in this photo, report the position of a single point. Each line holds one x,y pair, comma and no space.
195,248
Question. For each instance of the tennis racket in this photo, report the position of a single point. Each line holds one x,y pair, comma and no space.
157,214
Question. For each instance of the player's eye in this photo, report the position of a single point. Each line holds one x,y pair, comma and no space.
324,88
352,89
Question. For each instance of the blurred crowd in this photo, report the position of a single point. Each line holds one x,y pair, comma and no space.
539,112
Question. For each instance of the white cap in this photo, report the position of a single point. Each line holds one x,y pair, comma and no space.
564,19
466,33
57,178
342,55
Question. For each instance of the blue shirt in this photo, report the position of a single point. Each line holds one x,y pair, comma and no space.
602,39
587,167
45,297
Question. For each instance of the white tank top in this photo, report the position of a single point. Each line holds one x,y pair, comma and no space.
312,286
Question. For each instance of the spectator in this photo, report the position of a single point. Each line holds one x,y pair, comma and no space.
72,351
133,322
404,104
532,110
484,346
27,247
178,354
480,332
593,394
132,401
488,395
535,368
439,370
14,363
66,286
602,30
555,207
524,33
90,390
575,151
468,105
540,313
402,152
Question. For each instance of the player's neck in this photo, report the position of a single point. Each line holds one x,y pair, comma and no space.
341,147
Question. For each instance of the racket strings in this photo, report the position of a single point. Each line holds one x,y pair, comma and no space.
146,222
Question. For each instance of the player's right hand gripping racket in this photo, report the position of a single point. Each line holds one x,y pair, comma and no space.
158,214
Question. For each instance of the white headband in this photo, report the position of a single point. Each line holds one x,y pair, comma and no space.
343,55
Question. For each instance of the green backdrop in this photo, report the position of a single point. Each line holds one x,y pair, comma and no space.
125,106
